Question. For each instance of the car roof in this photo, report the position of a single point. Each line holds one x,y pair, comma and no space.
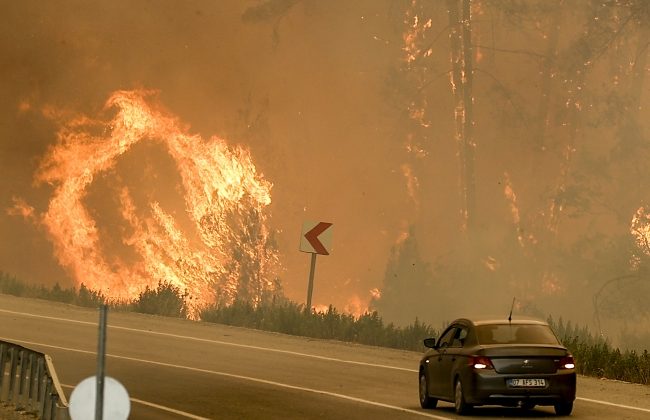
518,321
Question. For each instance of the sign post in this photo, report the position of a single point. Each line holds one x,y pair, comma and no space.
315,239
101,359
310,287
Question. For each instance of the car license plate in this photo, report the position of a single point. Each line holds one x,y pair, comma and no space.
527,383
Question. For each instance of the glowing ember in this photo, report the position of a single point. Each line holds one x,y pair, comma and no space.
640,229
551,284
412,183
225,254
511,197
416,30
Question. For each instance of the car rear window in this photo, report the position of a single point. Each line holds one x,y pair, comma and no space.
515,334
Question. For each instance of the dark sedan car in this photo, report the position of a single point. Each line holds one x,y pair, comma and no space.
509,363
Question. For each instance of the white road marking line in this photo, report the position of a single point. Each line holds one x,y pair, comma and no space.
206,340
241,377
629,407
332,359
160,407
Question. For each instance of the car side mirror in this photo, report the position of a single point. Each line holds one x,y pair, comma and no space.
430,343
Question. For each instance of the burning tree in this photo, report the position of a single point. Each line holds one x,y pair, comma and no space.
462,79
561,113
221,248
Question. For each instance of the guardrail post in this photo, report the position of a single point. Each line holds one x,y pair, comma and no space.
39,384
12,374
56,391
22,380
33,361
45,390
47,397
3,362
53,401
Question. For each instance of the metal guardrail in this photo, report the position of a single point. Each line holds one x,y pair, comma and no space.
28,381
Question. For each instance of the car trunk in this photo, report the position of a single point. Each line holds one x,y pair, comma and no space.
525,359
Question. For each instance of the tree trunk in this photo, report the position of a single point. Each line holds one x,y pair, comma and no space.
548,64
582,56
461,82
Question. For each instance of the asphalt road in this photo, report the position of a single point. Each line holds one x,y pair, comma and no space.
178,369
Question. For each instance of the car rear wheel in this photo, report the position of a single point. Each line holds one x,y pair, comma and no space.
460,405
564,408
425,400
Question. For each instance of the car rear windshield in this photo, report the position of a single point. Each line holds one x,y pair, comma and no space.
515,334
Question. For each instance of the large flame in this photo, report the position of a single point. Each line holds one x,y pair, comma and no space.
224,198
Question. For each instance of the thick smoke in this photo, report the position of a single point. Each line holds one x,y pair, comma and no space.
348,109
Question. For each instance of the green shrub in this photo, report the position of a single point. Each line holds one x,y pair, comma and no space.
11,286
595,356
58,294
291,318
89,298
166,300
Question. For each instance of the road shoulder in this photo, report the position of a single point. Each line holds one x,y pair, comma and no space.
615,392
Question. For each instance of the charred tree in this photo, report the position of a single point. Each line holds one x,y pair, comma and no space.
630,135
578,61
461,83
608,25
408,285
548,64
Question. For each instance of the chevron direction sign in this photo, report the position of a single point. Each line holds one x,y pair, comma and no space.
316,237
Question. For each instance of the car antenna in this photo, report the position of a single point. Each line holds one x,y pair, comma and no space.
511,307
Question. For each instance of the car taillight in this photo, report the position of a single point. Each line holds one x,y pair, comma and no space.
567,362
480,362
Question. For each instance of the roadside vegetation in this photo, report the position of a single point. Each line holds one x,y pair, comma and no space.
291,318
165,299
595,356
